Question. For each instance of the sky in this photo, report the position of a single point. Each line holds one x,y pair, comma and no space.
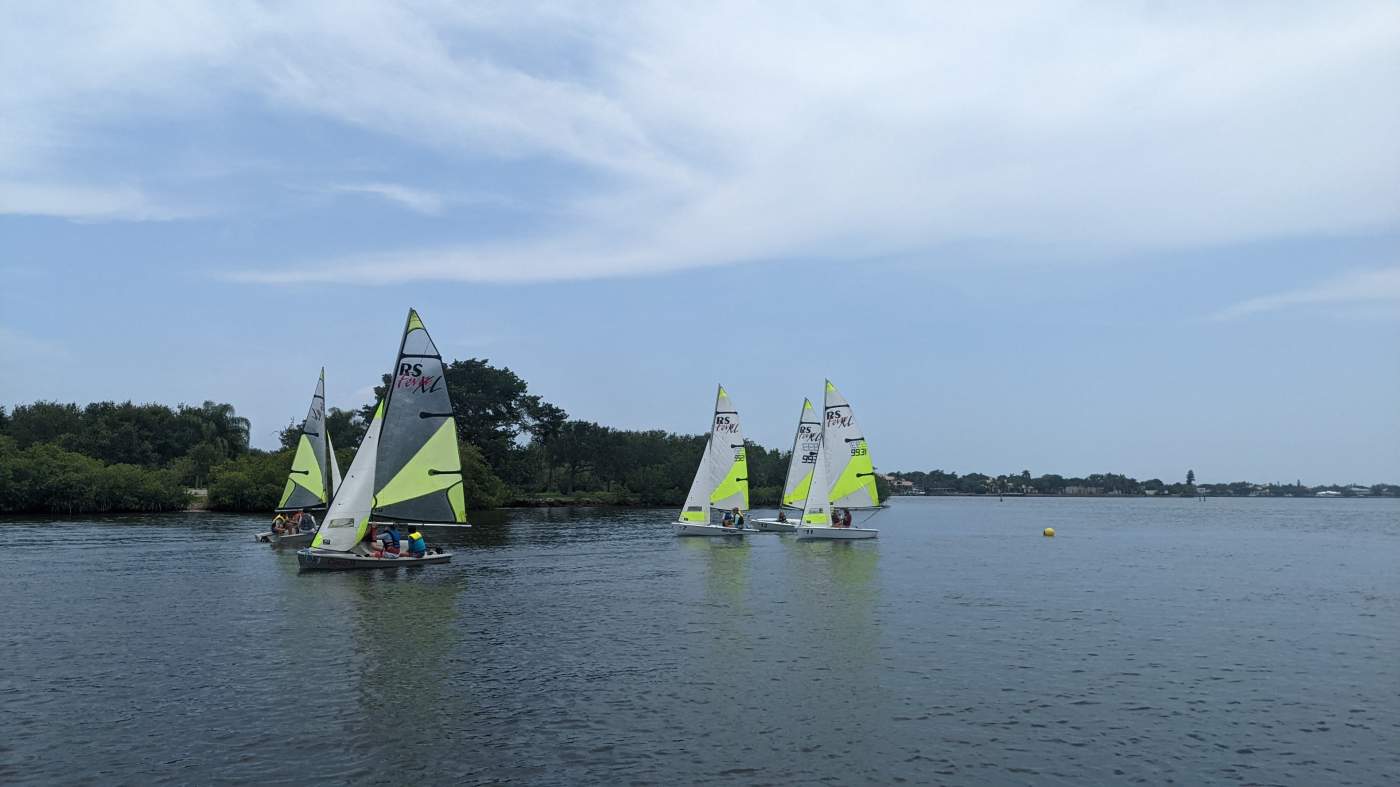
1061,237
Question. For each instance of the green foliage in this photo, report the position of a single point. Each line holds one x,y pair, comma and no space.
481,487
47,478
252,482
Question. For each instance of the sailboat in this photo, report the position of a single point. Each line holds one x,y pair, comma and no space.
722,479
313,478
799,472
843,476
407,469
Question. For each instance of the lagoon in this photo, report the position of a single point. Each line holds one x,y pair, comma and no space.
1216,641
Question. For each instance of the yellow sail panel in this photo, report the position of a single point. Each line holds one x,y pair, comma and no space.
858,476
798,495
434,468
816,516
734,489
458,499
306,474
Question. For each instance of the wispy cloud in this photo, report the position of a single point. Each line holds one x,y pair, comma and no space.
1364,290
720,133
417,200
84,203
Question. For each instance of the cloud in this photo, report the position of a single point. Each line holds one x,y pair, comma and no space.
83,203
417,200
1365,290
722,133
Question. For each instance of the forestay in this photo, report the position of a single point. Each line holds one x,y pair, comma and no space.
847,456
803,458
307,482
722,479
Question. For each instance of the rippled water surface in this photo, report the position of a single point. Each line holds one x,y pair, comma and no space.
1150,641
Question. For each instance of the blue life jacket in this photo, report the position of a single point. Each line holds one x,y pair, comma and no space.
391,538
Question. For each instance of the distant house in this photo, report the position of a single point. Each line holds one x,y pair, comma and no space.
1083,490
1359,490
1328,493
898,485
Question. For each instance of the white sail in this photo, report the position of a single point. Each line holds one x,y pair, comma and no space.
722,479
816,511
803,458
335,465
849,469
348,517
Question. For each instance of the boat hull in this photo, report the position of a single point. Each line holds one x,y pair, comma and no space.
835,533
774,526
692,529
287,539
319,560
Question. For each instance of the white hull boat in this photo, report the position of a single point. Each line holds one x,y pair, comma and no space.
836,533
774,526
721,480
692,529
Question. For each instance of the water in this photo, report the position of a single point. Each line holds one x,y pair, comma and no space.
1154,641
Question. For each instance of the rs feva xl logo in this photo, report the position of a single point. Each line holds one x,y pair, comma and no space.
411,376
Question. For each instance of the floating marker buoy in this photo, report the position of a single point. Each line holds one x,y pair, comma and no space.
1049,532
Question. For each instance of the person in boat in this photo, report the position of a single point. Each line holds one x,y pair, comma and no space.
846,517
782,516
277,523
391,538
307,521
738,518
727,521
417,547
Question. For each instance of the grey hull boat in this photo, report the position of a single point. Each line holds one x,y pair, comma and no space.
310,559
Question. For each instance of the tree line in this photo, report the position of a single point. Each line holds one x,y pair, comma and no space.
939,482
516,448
108,456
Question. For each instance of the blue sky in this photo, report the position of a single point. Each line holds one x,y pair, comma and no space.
1064,237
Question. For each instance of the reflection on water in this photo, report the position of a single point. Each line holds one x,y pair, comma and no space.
1149,641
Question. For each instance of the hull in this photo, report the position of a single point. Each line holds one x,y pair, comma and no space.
836,533
774,526
320,560
285,540
690,529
